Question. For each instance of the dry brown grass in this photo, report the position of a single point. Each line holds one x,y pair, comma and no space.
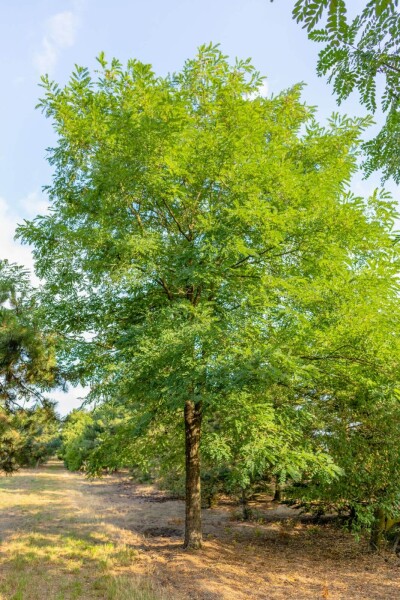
64,537
54,547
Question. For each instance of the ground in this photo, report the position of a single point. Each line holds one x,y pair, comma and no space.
64,537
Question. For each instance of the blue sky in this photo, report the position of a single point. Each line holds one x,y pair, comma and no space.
39,36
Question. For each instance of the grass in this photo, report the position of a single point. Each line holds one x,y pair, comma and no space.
64,538
54,549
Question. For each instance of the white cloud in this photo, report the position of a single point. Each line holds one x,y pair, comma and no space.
59,33
30,206
9,248
62,29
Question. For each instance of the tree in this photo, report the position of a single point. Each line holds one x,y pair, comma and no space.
76,443
27,353
27,368
361,53
359,409
200,241
39,432
28,436
362,438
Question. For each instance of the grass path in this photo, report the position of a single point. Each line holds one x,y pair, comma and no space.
54,545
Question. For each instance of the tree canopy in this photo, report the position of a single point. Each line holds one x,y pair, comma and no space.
207,264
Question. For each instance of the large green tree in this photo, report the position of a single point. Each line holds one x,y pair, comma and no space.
361,53
200,249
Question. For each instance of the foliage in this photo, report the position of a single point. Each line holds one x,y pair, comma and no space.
361,53
28,436
75,440
27,354
10,443
362,438
203,246
27,368
358,401
39,431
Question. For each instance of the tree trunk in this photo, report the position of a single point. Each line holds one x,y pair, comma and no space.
352,517
193,536
245,506
378,529
278,491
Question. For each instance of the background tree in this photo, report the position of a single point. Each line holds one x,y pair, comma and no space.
27,369
39,431
200,244
361,54
28,436
359,405
10,443
76,439
27,354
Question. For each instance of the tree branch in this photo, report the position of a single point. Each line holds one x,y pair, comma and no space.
161,282
176,221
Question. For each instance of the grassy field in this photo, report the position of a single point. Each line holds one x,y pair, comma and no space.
64,537
54,547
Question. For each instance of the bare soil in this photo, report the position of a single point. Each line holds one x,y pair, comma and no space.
278,557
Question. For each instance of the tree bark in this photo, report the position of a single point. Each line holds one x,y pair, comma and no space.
377,530
193,535
352,517
245,506
278,491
